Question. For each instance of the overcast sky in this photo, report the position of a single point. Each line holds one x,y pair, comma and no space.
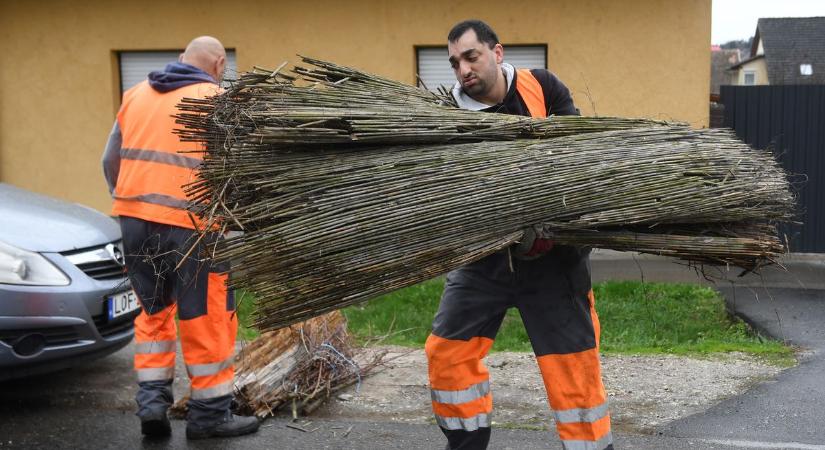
736,19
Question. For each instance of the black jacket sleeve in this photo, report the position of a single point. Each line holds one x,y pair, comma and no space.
556,94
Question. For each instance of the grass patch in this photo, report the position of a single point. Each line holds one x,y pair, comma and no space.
636,318
245,304
673,318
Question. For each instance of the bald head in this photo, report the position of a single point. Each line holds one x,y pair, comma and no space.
206,53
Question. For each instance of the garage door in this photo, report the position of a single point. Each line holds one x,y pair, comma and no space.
135,66
434,69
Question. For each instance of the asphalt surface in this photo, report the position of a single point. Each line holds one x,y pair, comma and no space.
92,407
786,302
789,409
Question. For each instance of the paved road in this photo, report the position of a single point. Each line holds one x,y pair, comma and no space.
786,302
91,406
791,408
99,429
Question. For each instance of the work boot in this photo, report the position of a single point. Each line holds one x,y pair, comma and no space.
156,425
231,425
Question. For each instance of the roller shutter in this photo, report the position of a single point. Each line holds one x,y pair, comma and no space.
134,66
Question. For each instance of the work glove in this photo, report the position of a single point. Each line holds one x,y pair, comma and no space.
534,243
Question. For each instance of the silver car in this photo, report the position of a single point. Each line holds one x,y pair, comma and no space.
64,295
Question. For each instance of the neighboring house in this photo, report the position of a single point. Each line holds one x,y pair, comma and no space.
720,61
788,50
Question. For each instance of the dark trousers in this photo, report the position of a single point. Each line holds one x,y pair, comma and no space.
171,280
554,297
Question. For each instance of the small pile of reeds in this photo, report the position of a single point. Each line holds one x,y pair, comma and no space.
297,367
347,186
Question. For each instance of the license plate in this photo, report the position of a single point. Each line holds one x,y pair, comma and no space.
122,303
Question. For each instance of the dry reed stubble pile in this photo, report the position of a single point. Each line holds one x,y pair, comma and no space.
345,188
300,366
297,367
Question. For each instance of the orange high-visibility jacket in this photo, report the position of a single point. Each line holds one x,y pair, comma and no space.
154,163
530,91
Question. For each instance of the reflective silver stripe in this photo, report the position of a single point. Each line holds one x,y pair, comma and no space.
215,391
156,347
156,373
463,396
200,370
601,444
460,423
581,414
158,199
172,159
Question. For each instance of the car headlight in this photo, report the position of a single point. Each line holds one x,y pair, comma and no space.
18,266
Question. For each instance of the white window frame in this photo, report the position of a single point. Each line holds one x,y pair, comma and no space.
806,70
513,48
750,72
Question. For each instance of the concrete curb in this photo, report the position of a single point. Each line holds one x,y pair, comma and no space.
793,271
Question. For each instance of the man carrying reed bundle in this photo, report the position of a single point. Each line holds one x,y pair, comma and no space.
550,285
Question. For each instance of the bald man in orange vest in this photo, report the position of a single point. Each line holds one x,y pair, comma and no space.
145,166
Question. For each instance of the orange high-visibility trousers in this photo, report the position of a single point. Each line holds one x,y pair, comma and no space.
197,292
556,304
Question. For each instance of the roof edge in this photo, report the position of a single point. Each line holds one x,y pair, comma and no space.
741,63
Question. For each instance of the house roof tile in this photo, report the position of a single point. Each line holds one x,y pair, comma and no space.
789,42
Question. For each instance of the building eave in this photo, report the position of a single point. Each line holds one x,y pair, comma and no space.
742,63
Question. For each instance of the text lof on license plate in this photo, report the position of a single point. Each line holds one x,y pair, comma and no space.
122,303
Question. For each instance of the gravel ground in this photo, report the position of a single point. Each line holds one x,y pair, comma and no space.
644,391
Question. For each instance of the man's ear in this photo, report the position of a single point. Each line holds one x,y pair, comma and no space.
220,65
499,51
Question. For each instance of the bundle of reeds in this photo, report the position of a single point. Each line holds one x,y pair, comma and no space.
331,104
349,186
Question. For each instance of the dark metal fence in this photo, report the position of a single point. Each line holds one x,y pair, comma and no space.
789,120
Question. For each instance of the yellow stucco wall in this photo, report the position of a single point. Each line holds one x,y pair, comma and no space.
759,68
59,84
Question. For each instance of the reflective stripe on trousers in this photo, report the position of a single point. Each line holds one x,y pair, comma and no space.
202,370
460,392
458,408
212,371
155,344
460,423
463,396
599,444
218,390
581,414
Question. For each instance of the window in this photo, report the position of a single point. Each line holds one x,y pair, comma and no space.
806,70
434,70
134,66
750,77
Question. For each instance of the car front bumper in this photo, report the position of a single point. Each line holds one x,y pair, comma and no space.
68,324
